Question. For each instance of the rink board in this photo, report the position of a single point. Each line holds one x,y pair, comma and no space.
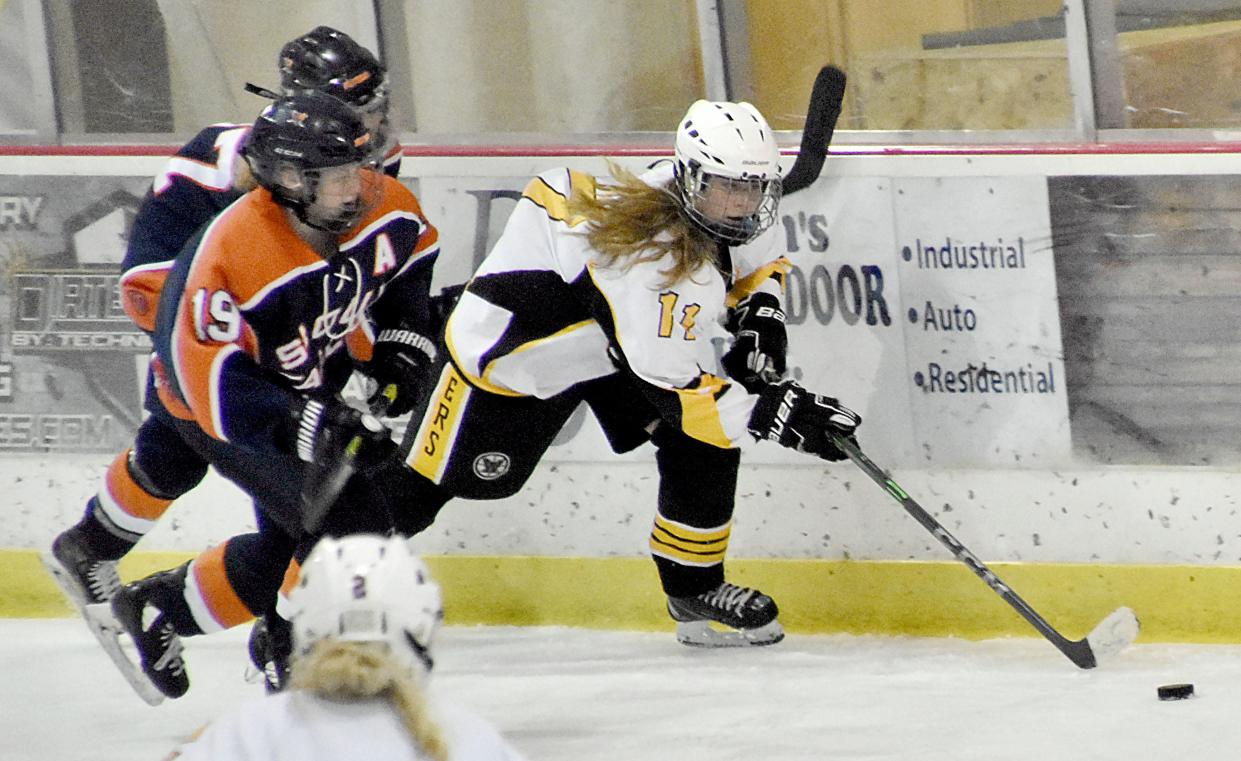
921,598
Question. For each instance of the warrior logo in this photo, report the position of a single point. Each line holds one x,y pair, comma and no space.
491,465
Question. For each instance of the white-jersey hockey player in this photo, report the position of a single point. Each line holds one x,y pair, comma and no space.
365,612
610,294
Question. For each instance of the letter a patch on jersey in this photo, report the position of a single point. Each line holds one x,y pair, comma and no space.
385,259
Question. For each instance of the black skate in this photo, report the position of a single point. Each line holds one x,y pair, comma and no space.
749,615
90,584
84,578
157,642
271,644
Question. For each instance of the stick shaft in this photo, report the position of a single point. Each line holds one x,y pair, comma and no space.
318,501
1077,651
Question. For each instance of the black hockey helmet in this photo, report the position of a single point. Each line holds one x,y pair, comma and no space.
330,61
303,145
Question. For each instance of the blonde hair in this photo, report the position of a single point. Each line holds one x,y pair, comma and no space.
352,670
629,221
243,176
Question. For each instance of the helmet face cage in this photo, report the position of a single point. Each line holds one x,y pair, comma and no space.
732,211
335,199
728,170
367,589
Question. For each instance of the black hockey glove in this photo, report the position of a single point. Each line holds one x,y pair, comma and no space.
400,365
760,345
332,432
336,441
799,419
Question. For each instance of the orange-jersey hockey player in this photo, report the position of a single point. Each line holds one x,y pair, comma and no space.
198,182
254,332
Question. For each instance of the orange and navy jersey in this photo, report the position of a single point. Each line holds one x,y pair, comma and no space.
542,314
197,183
252,317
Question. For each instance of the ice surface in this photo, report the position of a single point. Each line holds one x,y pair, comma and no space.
574,694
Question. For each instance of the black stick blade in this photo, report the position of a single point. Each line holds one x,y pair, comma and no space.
826,99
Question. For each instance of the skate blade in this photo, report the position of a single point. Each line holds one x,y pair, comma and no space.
109,632
702,634
68,585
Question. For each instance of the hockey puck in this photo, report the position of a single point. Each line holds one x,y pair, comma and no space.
1175,691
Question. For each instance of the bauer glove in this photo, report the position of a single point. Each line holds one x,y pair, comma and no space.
802,420
760,345
400,365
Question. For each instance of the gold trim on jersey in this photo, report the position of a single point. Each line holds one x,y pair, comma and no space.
440,424
700,416
750,283
484,381
555,203
689,545
471,378
528,345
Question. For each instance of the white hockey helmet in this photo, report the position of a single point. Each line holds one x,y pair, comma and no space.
728,170
367,588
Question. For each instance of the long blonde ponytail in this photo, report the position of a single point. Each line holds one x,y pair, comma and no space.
351,670
629,221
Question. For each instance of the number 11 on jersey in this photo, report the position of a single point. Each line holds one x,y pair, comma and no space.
667,315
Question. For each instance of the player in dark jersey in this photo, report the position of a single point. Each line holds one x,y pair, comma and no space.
260,324
200,180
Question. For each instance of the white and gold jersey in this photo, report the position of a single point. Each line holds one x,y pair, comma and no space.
542,312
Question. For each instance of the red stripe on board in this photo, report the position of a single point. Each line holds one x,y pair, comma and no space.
502,151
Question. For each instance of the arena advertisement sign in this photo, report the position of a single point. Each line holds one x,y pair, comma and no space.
983,338
927,304
71,362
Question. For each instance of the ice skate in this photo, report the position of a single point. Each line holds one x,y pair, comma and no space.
90,584
109,634
158,646
742,617
84,578
271,645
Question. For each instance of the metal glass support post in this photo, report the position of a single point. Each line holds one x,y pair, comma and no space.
711,43
1081,80
392,31
38,57
1107,79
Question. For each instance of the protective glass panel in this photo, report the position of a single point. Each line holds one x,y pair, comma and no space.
931,65
1180,61
552,66
20,84
155,66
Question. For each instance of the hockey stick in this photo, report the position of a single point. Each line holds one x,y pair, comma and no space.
826,98
1111,635
323,486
